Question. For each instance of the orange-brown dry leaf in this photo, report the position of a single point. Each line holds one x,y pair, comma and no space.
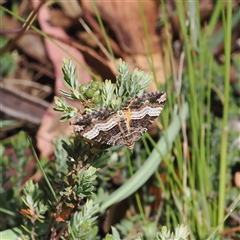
125,18
59,19
64,215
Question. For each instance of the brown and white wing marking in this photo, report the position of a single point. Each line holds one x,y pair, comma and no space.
98,126
125,126
144,111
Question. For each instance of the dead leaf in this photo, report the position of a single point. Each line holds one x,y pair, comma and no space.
126,22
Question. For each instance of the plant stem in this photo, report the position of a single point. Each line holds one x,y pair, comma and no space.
224,138
42,170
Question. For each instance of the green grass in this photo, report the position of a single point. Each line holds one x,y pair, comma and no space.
197,208
195,143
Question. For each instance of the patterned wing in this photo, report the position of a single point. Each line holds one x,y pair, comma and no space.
99,126
125,126
144,110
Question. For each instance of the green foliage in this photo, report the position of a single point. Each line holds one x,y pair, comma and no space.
93,96
7,123
33,202
109,99
83,223
100,195
202,153
126,225
115,233
130,85
149,230
74,175
6,60
3,168
82,184
79,150
180,233
61,157
61,106
8,203
20,145
73,183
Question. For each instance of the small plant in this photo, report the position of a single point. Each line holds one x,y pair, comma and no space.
83,155
93,96
8,202
73,207
180,233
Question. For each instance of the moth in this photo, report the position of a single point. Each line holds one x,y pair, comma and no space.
125,126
